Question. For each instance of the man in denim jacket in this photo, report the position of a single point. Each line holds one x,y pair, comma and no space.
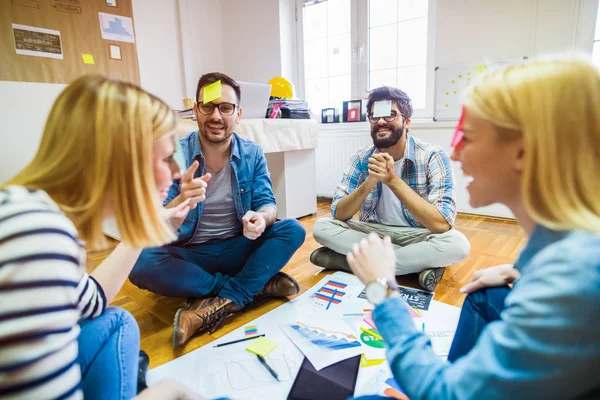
229,249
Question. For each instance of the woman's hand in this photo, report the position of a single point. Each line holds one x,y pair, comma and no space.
373,258
499,275
177,212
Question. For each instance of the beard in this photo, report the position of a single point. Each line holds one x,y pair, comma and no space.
388,141
213,137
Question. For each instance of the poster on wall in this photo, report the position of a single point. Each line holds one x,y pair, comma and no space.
37,42
116,27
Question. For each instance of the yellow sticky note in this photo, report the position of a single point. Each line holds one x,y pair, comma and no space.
480,69
452,80
364,362
212,91
446,93
87,58
460,75
262,346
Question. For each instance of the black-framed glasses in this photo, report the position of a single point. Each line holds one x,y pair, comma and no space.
390,118
225,109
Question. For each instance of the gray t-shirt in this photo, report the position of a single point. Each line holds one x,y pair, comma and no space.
219,217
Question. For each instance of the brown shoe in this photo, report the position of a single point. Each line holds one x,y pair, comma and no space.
329,259
280,285
203,315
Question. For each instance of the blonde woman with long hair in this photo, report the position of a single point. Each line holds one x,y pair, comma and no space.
530,140
106,151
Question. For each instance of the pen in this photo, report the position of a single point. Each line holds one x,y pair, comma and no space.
368,332
423,327
239,340
331,299
264,362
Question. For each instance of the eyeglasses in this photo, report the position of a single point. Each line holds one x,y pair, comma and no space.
390,118
225,109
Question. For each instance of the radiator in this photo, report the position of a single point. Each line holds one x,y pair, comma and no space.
334,152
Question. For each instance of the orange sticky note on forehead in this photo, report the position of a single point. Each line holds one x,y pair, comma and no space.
212,92
458,132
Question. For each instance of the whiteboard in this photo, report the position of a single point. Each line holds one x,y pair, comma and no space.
451,81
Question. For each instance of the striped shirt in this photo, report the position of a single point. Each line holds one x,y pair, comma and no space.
44,292
426,169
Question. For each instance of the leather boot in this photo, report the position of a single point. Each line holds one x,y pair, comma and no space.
202,316
280,285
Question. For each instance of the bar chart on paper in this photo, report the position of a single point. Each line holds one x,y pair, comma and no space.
331,293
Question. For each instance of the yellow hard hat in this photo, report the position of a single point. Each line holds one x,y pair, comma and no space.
281,87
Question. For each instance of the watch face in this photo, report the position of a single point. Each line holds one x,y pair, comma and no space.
376,293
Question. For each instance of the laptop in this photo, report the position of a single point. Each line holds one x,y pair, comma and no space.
255,99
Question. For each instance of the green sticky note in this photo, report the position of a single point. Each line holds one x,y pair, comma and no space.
212,91
262,346
178,156
480,69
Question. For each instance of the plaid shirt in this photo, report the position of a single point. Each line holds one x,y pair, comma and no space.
426,169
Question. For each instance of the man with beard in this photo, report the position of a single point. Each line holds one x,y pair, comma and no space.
230,248
404,188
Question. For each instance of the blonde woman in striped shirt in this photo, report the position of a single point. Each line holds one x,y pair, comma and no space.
107,151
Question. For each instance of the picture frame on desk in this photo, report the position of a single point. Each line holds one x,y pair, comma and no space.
353,111
330,116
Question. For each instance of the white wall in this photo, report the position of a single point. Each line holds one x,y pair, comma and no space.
251,37
202,40
158,41
287,41
24,107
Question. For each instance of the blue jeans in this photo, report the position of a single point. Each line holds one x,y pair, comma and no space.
109,348
479,309
235,268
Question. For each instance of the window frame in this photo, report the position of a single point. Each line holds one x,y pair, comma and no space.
359,41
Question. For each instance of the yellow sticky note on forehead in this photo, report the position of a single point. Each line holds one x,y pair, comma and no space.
262,346
212,91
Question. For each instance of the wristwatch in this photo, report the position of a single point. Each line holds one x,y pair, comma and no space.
380,289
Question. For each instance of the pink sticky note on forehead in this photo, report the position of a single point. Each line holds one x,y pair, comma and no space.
458,132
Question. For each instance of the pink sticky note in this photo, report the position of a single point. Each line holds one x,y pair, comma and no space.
369,320
458,132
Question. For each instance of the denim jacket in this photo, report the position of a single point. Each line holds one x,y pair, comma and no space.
545,346
250,183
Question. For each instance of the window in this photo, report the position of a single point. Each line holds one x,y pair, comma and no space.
351,46
596,49
327,63
398,46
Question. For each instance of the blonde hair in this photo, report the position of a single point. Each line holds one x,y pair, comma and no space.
554,105
97,150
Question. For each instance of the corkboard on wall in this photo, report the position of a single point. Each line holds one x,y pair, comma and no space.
56,41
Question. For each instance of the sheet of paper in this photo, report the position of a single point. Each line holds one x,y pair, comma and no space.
323,342
116,28
212,92
231,371
382,108
416,298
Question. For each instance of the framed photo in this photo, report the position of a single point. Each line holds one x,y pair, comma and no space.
111,3
353,111
329,116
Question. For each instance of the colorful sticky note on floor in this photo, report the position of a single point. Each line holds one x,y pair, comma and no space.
212,92
250,330
262,346
414,313
369,321
365,362
87,58
382,108
480,69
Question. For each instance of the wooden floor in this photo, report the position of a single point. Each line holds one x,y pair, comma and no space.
493,242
